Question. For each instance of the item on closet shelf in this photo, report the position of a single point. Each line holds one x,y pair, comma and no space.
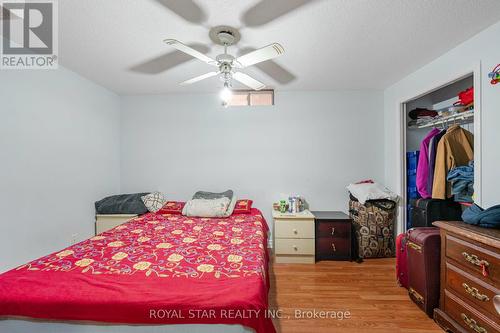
456,148
494,75
422,113
402,260
466,97
432,159
370,191
374,227
486,218
462,182
424,247
423,164
426,211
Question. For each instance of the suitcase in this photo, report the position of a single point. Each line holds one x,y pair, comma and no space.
424,249
374,228
402,260
426,211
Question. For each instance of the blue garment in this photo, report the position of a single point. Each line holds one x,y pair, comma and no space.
462,182
489,218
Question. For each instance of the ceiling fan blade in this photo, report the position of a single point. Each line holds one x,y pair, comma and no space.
268,10
192,52
199,78
248,81
167,61
267,52
186,9
272,69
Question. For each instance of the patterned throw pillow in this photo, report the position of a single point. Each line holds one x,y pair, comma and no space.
172,207
243,207
153,201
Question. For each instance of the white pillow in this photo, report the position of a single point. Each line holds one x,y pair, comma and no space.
153,201
368,191
206,207
231,206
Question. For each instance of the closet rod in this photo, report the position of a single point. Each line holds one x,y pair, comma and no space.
462,117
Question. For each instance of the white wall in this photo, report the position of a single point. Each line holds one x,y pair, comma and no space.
311,143
59,152
482,48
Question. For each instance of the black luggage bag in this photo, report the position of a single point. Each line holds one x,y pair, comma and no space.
426,211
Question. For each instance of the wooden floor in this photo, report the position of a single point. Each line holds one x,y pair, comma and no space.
367,290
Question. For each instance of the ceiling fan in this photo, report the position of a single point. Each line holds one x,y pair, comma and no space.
227,64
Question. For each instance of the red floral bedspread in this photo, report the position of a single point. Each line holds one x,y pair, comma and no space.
155,269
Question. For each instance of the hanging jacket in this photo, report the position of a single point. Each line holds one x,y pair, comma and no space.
456,148
489,218
432,159
423,164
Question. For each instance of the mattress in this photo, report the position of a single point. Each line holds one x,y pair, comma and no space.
154,270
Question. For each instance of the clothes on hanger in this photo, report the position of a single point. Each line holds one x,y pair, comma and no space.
432,158
423,164
456,148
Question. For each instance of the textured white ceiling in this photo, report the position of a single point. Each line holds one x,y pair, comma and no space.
329,44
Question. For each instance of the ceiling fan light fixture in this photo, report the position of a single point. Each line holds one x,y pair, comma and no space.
226,94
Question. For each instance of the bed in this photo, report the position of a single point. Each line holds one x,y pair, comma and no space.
158,271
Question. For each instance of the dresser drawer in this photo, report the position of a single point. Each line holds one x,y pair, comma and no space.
471,289
333,248
294,229
333,229
472,257
466,316
294,246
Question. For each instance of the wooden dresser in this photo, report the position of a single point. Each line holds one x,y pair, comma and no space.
294,237
333,235
470,278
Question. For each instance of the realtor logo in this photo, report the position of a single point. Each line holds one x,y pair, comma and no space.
29,34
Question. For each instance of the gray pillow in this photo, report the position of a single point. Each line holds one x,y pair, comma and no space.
213,195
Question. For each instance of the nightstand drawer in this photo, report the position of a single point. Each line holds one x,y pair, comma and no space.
333,229
333,248
294,246
294,229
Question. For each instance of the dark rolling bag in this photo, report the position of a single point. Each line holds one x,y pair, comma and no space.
426,211
424,249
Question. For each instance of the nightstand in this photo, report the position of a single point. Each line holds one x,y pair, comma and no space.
105,222
294,237
333,236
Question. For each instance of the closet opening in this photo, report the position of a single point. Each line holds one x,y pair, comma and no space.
438,154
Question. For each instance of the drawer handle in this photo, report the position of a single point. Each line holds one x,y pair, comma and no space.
473,324
474,292
473,259
333,247
414,246
295,231
295,247
419,298
333,231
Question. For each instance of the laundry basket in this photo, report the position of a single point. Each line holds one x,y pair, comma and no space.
374,227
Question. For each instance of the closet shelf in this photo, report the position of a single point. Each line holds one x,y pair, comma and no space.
457,118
